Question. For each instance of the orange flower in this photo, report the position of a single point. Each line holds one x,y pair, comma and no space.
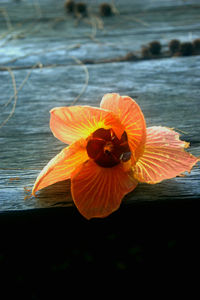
110,151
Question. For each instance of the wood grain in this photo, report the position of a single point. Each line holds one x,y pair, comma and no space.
166,89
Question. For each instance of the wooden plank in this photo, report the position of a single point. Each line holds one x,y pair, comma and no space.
167,90
43,37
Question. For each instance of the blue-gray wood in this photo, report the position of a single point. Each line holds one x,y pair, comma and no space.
41,49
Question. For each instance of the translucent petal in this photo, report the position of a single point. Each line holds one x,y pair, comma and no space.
61,166
131,116
97,191
164,156
72,123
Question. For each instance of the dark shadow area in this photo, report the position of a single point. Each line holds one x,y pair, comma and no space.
44,251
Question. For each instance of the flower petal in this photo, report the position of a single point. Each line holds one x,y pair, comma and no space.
97,191
164,156
131,116
61,166
69,124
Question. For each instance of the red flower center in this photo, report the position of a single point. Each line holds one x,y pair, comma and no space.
106,149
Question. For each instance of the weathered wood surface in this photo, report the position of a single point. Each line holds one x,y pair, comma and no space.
40,32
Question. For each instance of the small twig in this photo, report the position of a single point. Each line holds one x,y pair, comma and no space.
140,21
43,51
114,8
15,98
100,23
94,27
21,86
38,66
78,61
13,35
6,33
37,8
56,21
94,23
7,19
181,131
15,92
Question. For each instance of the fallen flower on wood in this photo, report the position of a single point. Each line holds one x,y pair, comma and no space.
111,150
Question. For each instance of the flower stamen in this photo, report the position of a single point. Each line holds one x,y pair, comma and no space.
106,149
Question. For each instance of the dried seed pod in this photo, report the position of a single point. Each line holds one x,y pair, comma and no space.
174,46
69,6
186,49
105,10
196,45
155,47
81,9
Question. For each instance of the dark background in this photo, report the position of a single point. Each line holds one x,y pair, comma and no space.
47,252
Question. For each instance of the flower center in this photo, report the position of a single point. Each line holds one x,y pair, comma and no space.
106,149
